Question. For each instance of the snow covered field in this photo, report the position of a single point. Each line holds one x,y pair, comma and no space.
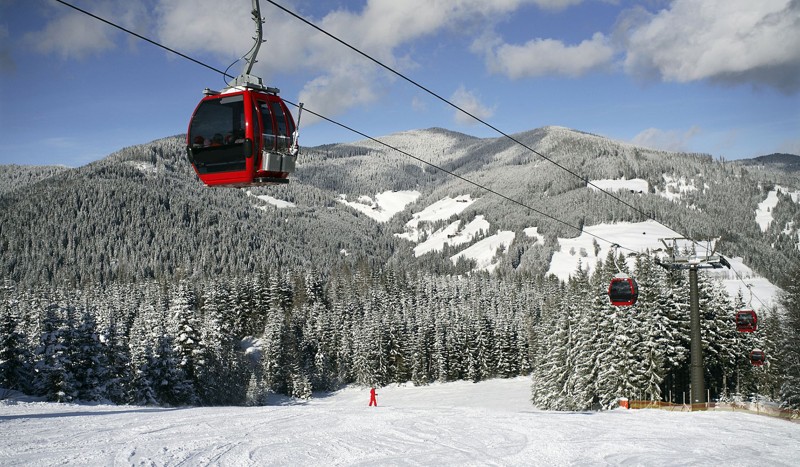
489,423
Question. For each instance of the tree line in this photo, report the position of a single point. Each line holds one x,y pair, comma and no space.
237,340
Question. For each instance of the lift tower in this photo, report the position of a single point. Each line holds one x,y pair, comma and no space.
692,259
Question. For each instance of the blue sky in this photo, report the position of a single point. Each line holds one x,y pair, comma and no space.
714,76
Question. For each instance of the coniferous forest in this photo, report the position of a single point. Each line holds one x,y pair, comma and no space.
128,281
237,340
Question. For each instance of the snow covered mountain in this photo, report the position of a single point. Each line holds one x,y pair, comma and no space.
141,212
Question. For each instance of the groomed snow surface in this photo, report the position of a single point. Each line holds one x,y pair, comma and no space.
461,423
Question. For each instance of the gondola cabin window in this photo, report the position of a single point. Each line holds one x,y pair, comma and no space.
217,134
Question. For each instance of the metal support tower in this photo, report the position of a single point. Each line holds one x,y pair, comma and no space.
693,262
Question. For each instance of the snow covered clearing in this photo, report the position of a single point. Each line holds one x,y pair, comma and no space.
676,187
460,423
452,235
762,289
581,250
635,185
278,203
533,232
384,206
146,168
484,251
440,210
641,236
764,210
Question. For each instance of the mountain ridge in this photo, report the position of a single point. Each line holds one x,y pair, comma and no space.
141,213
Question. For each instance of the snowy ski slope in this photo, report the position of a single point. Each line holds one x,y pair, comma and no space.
460,423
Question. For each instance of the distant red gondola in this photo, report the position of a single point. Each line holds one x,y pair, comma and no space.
757,357
746,321
623,291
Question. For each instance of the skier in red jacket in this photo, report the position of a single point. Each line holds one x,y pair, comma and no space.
372,399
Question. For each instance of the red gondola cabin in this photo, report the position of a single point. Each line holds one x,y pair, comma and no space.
746,321
243,136
757,357
623,291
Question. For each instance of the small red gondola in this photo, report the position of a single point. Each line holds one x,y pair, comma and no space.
623,291
757,357
746,321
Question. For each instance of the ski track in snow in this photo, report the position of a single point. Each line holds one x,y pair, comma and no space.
461,423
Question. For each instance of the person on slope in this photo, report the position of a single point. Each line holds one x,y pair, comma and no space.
372,399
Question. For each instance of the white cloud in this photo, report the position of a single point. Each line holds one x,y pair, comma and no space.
331,93
74,35
222,27
71,35
556,4
418,104
730,41
541,57
468,101
666,140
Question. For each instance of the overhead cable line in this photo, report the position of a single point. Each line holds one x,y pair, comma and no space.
224,73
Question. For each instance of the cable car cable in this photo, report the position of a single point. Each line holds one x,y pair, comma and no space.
225,74
483,187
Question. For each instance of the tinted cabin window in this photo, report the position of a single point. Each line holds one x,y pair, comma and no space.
745,318
268,137
217,133
282,128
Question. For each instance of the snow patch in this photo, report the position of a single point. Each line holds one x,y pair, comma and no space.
581,250
440,210
765,293
484,252
452,235
278,203
634,185
676,187
384,206
146,168
764,210
534,233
